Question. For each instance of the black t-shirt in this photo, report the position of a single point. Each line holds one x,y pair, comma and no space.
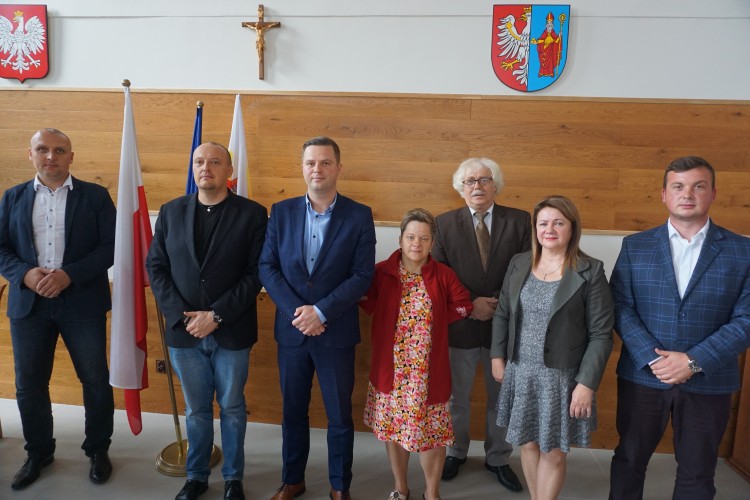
206,219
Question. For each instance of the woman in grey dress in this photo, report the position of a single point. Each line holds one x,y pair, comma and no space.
551,338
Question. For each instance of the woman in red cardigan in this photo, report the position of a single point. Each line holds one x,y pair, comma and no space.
412,299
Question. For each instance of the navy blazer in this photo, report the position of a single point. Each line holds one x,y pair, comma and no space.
341,275
711,322
89,247
579,326
227,281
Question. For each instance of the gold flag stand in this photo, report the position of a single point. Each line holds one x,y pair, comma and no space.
172,459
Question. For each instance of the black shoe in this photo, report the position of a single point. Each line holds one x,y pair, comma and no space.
505,476
450,469
192,490
233,490
30,471
101,467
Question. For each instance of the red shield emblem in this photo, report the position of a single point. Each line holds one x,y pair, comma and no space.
23,41
529,44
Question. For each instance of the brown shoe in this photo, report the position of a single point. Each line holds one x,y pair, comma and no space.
288,491
339,495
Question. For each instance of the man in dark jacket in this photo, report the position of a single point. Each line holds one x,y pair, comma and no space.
203,265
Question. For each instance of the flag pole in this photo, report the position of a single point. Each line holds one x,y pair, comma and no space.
173,458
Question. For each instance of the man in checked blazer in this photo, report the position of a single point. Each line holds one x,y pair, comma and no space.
682,308
478,181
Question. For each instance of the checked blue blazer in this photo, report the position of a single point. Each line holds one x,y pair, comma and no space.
711,322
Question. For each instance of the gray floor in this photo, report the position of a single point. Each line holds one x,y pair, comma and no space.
135,476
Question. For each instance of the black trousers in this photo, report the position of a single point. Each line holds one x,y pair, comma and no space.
698,424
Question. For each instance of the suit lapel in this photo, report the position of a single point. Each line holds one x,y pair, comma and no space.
709,252
664,252
498,226
569,284
518,275
189,218
299,221
27,209
74,197
334,226
467,231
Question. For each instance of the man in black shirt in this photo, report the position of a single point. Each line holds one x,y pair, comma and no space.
203,265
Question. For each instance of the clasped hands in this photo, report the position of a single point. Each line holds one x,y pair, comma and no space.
484,308
48,283
200,324
672,367
306,320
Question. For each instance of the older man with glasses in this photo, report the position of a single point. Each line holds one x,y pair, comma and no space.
478,241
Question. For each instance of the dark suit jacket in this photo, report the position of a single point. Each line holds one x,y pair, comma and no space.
89,247
341,276
227,282
579,327
711,322
456,245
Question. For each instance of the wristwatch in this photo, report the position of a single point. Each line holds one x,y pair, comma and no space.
693,365
217,319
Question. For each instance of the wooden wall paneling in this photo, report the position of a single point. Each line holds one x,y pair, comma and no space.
740,456
398,151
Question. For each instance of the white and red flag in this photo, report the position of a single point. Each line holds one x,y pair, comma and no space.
238,149
127,358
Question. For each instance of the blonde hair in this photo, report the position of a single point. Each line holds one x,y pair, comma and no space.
419,215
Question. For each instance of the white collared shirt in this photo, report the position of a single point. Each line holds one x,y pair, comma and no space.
685,254
48,221
487,220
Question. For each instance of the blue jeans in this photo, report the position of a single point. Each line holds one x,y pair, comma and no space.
34,340
204,370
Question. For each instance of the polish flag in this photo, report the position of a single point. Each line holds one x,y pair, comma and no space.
127,358
238,149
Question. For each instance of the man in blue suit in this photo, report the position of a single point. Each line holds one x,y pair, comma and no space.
682,308
317,261
57,240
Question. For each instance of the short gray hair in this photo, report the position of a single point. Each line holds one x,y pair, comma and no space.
474,164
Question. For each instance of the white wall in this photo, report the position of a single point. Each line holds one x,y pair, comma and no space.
691,49
603,247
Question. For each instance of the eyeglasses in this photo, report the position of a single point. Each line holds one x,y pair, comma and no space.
483,181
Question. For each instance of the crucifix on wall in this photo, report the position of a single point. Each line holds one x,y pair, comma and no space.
260,27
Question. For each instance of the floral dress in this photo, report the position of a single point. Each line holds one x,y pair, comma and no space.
403,415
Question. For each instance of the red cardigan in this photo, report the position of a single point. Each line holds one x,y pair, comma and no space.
450,302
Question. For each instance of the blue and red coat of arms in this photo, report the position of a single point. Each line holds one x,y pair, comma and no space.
23,41
529,44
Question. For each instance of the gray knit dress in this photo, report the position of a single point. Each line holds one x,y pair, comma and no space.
534,402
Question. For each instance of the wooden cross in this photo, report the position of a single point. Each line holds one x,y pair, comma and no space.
260,27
